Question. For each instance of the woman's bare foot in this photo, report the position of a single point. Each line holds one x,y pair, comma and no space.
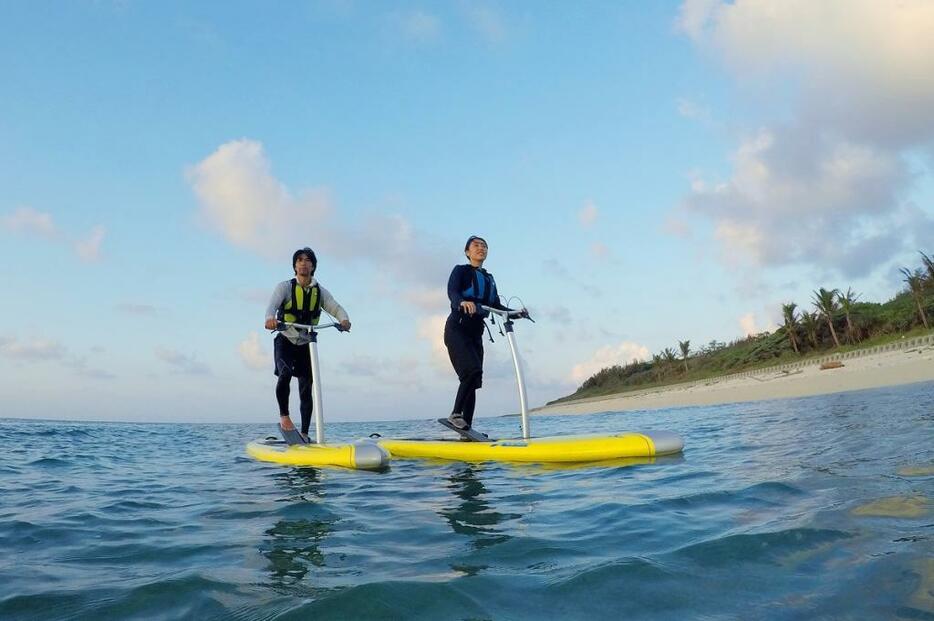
286,423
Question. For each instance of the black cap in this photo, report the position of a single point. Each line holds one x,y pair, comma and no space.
308,252
471,239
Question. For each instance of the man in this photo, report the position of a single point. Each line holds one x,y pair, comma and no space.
299,300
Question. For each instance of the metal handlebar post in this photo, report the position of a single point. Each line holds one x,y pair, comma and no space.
317,404
517,364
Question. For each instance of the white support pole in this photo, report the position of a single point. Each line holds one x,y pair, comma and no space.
316,390
520,380
516,362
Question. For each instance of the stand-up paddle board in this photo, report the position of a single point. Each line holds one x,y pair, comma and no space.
295,451
553,449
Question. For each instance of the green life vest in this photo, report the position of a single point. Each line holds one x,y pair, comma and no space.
302,308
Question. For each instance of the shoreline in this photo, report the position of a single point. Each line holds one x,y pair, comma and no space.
877,370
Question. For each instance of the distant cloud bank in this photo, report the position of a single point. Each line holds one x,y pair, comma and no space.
622,354
827,185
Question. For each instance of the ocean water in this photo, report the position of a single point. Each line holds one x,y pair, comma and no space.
813,508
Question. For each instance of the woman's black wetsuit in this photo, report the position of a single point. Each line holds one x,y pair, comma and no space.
463,333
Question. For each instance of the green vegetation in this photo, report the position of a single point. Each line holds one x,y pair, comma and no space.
810,334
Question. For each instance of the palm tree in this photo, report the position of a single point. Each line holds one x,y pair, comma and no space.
916,284
685,350
657,366
791,324
809,321
847,301
929,266
825,301
669,358
669,355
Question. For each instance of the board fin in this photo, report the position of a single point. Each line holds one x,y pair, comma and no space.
467,434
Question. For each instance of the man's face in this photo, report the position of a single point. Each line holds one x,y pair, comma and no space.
477,250
304,266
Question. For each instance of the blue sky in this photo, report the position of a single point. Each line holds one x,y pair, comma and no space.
643,172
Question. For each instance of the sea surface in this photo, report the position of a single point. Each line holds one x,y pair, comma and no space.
812,508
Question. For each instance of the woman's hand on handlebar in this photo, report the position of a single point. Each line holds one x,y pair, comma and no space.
468,307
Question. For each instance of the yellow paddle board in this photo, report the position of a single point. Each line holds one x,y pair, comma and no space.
363,455
554,449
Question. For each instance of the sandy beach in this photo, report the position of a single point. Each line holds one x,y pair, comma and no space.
890,368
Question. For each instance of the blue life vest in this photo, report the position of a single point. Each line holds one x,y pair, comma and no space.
482,289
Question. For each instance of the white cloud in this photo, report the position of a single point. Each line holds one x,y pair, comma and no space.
826,187
691,110
750,325
182,363
588,214
431,329
89,249
41,350
425,298
33,222
621,354
29,220
253,354
32,350
862,65
241,199
798,198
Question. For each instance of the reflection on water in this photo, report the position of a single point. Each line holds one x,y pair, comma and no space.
293,546
472,514
303,484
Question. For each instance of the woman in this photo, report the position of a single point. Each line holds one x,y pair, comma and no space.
469,287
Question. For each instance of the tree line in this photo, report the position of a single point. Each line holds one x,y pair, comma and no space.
834,319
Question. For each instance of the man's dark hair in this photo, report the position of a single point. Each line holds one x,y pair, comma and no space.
308,252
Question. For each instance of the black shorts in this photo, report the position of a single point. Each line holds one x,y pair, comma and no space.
291,359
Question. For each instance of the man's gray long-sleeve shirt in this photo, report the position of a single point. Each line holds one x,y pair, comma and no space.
283,293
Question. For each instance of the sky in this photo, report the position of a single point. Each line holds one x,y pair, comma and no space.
644,173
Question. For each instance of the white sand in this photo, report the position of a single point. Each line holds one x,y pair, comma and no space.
871,371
